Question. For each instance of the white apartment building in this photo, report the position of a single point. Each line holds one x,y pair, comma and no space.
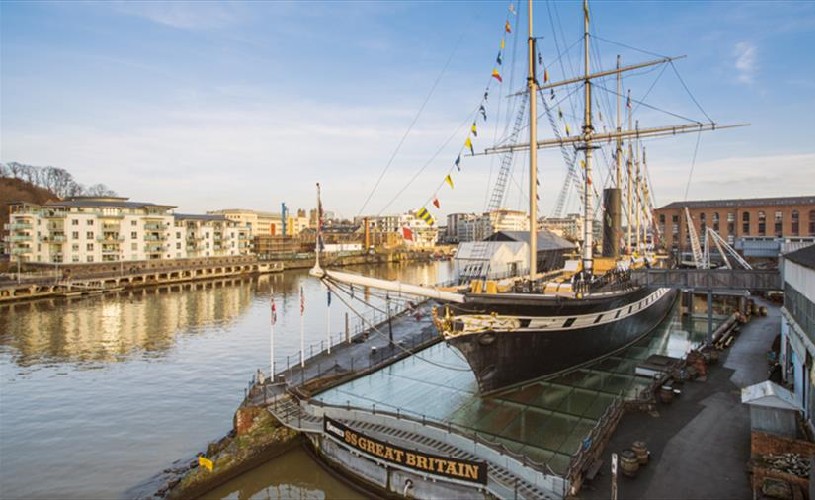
113,229
570,226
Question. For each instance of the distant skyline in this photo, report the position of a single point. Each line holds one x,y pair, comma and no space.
212,105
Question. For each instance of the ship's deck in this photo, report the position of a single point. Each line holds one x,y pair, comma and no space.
546,420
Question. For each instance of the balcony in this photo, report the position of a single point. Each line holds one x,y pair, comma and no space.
53,238
19,226
153,226
155,237
54,214
106,226
112,238
20,237
20,250
153,248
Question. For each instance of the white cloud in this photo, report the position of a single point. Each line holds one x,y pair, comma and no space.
181,14
745,53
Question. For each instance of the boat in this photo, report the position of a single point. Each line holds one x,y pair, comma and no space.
542,324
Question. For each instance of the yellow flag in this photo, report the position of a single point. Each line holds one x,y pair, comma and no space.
469,144
502,44
568,130
449,180
205,462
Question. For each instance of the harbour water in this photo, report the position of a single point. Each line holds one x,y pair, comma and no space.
97,395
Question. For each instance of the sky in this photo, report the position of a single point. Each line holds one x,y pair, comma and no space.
213,105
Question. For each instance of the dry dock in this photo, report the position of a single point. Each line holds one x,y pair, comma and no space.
404,418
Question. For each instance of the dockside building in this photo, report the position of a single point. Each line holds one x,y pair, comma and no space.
113,229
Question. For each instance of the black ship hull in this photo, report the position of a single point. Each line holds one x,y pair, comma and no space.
511,338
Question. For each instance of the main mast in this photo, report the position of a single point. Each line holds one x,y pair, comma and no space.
533,155
588,202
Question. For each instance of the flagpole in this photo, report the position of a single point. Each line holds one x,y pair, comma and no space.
271,349
328,321
302,331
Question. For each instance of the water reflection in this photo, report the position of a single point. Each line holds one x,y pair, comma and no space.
109,328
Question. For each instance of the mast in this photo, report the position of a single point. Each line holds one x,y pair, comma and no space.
316,268
588,205
533,155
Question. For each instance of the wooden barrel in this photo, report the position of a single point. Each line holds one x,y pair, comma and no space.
640,451
666,394
629,463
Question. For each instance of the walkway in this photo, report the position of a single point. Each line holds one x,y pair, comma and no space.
700,443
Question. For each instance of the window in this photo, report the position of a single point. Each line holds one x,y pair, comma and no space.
75,235
133,235
731,217
75,247
745,223
779,222
90,258
89,235
178,246
178,235
75,258
795,223
74,222
662,218
762,223
134,246
716,221
133,222
812,222
89,247
702,223
89,222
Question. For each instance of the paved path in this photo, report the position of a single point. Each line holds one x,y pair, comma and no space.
700,443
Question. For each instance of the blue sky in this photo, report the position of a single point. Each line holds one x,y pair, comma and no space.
209,105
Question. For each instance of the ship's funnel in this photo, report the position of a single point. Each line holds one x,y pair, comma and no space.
612,222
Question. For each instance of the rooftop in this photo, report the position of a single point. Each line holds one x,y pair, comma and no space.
102,202
804,256
745,202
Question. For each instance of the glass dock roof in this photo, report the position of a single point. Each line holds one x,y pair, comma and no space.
546,420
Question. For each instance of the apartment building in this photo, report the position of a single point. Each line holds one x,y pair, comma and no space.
259,223
113,229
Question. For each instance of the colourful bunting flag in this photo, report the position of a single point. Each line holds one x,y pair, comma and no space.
423,214
483,112
503,44
486,94
436,202
545,75
474,130
468,143
559,113
497,75
628,100
458,161
498,59
274,311
328,297
508,27
568,131
449,180
407,233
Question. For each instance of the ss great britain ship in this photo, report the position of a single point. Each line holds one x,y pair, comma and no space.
535,325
